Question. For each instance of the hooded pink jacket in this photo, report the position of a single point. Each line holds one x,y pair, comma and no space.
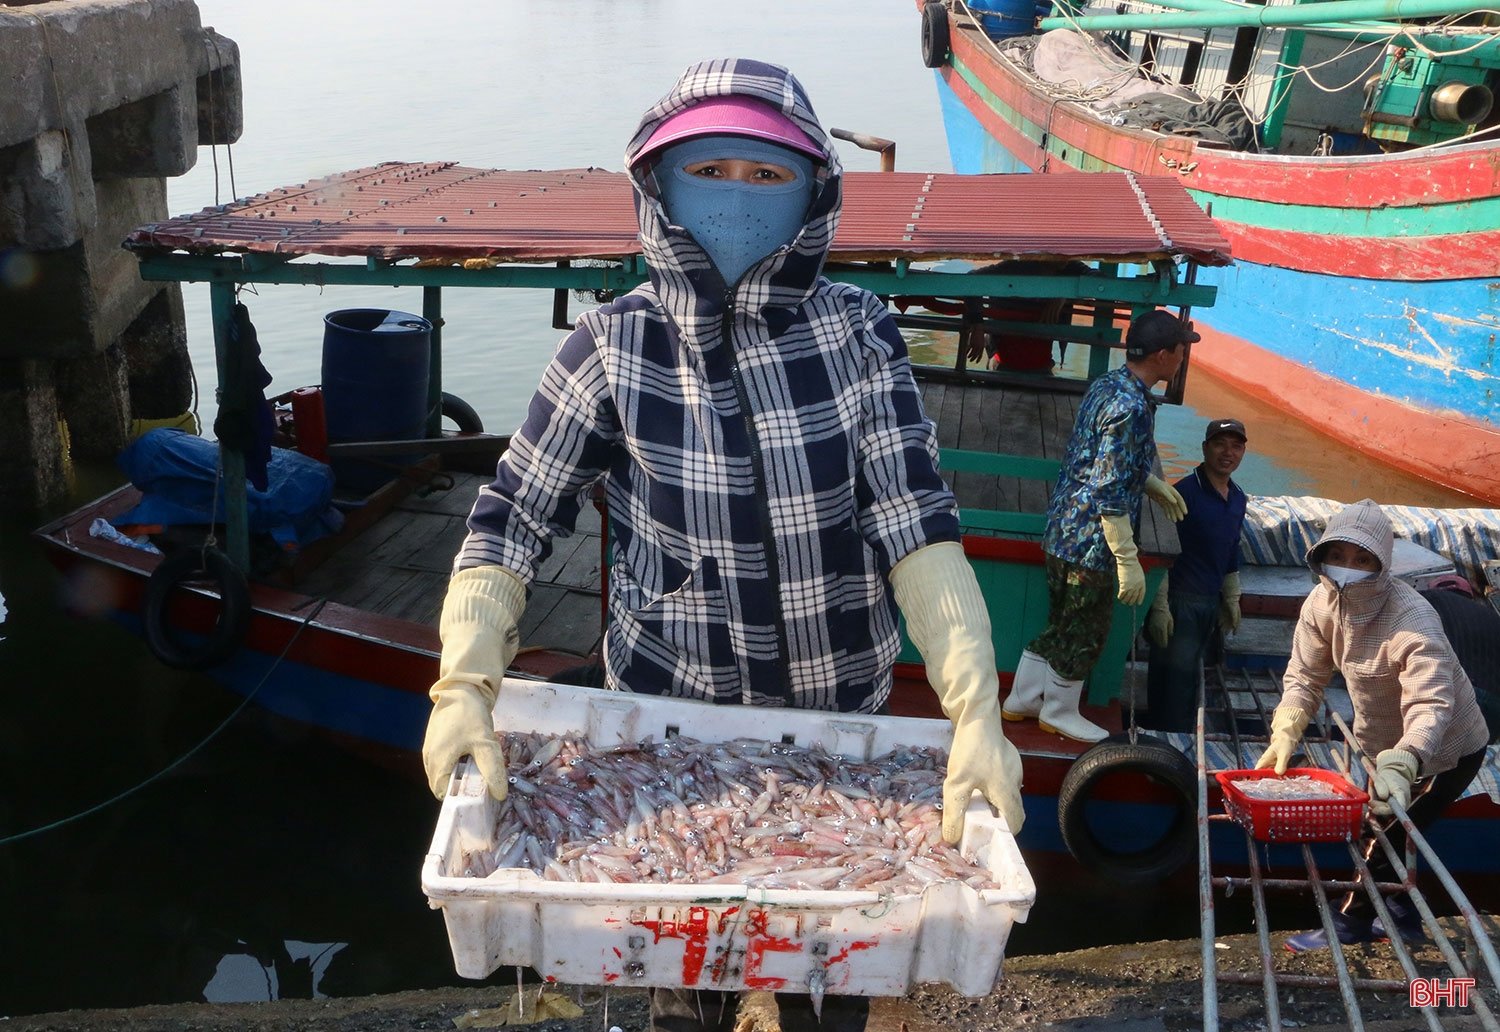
1406,685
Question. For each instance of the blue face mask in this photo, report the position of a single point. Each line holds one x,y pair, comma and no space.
737,223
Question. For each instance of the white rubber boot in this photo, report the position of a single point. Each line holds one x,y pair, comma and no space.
1026,688
1060,711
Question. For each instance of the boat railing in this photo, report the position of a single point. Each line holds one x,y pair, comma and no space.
1468,969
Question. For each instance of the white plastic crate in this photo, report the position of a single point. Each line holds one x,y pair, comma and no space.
717,936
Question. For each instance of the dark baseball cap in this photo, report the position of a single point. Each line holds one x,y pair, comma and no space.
1224,426
1155,331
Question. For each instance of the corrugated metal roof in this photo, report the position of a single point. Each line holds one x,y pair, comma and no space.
441,210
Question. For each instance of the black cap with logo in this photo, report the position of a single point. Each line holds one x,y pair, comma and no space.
1156,331
1224,426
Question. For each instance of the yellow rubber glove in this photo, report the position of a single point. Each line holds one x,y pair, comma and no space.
1121,541
1287,725
478,628
1395,773
1159,622
947,621
1166,496
1229,602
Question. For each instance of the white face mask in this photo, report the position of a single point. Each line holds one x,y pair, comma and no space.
1342,576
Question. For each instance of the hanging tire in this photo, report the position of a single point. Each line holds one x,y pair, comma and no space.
462,414
934,34
176,570
1152,759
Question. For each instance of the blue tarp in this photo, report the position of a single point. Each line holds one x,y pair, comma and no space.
1280,530
176,474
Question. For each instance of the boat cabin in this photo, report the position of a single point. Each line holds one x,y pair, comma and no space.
964,261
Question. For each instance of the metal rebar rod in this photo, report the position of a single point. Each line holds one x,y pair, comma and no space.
1386,985
1417,839
1206,894
1263,933
1439,935
1340,964
1398,946
1290,884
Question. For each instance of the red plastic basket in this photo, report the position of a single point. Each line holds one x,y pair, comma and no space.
1295,820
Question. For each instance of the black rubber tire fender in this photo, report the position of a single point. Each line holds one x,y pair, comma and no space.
935,40
177,569
1149,757
462,413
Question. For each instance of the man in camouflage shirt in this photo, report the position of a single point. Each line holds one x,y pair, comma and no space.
1089,543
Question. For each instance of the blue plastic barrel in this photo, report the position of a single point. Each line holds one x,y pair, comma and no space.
375,376
1002,19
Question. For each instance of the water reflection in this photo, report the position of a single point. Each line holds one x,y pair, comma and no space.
268,847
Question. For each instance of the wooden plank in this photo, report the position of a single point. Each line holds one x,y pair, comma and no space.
414,534
421,599
1021,434
950,421
561,619
932,396
375,588
542,599
950,432
454,501
573,624
562,552
444,540
582,568
986,492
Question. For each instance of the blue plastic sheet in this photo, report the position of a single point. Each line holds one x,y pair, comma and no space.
176,473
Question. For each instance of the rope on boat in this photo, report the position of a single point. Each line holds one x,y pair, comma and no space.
169,768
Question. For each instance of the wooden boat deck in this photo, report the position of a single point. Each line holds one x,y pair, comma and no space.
399,566
1015,420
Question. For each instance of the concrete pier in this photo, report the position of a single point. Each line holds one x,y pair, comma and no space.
100,102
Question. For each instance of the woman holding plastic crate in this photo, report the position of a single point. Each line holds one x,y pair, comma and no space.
772,480
1414,708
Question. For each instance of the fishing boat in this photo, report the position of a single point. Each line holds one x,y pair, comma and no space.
341,634
1352,162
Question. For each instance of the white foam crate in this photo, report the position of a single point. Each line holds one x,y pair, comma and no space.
725,937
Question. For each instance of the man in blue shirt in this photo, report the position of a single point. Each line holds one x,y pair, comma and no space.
1202,593
1091,554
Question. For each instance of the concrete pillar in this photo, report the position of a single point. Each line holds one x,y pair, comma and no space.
100,100
34,465
93,395
156,357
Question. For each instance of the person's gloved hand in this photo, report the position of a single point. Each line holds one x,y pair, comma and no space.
1159,622
478,628
1287,725
1395,773
1166,496
1121,541
948,622
1229,602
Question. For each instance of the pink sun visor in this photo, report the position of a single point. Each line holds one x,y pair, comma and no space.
731,116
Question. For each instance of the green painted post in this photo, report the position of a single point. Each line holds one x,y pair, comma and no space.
236,511
432,311
1103,319
1318,13
1232,5
1286,73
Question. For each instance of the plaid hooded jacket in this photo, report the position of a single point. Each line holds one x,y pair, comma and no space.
765,457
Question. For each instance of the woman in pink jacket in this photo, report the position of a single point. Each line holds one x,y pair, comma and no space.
1414,707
